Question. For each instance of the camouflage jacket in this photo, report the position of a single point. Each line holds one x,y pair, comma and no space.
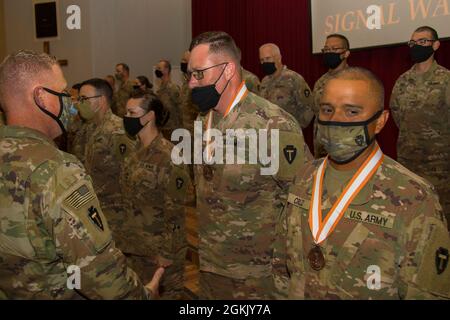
238,207
169,94
103,161
188,109
156,193
51,220
290,92
420,106
77,136
395,223
251,81
121,98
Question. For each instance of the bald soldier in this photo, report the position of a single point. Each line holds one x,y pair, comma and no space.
420,104
124,91
335,57
238,204
360,225
284,87
53,228
188,110
169,94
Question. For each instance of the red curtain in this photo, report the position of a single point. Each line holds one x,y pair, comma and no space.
288,24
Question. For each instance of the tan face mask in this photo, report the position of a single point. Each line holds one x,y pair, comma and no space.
85,110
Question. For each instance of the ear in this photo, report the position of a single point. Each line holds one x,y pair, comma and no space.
346,54
436,45
38,95
230,71
381,121
149,117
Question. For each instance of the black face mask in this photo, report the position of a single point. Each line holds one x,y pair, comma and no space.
158,74
183,67
268,68
207,97
132,125
332,60
421,53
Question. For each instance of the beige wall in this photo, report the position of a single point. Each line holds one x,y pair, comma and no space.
2,33
138,32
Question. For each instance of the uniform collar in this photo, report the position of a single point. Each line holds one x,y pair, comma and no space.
427,74
23,132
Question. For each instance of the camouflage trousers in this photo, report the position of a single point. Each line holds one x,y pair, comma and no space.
216,287
172,284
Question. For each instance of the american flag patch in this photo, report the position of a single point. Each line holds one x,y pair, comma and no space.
80,198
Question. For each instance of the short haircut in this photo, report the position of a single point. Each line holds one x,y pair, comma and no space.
152,103
432,31
167,65
77,86
124,66
144,80
342,37
357,73
102,87
219,43
20,69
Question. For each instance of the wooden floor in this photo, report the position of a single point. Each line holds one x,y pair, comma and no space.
192,263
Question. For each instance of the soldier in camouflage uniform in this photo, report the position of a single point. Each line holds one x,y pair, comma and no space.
155,198
420,104
169,94
103,152
284,87
51,218
382,235
188,109
251,81
238,206
124,91
335,55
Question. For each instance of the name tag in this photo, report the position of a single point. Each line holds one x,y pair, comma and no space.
371,218
298,202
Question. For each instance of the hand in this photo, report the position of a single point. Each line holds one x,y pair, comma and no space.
163,262
153,286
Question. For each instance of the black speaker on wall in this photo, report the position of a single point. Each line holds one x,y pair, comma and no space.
46,20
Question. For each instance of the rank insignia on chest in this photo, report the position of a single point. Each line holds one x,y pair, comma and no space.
290,153
123,148
180,183
95,217
307,93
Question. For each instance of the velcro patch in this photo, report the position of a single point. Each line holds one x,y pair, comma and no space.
298,202
370,217
79,198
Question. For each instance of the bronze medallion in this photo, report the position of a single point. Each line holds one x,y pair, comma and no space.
316,258
208,172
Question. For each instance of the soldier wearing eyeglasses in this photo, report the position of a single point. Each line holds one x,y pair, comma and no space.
238,206
335,57
420,104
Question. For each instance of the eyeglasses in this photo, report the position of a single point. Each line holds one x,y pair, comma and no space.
328,50
83,98
199,74
420,42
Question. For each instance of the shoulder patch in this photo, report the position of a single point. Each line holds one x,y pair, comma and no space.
79,198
